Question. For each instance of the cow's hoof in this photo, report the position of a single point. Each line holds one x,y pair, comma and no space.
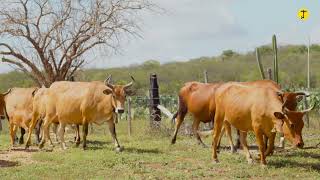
250,161
215,161
21,141
41,146
173,141
119,149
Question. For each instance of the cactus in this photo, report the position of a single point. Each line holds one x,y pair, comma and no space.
275,62
260,64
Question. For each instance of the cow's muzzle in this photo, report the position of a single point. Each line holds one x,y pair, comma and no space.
119,110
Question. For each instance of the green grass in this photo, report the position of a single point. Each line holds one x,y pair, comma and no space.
149,155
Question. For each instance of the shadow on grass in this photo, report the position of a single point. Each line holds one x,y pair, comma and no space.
4,163
98,143
302,154
140,151
294,164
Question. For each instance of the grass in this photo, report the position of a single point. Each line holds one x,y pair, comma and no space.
149,155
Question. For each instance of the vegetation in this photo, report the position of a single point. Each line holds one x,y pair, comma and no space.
239,67
149,155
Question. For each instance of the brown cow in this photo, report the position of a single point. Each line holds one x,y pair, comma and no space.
81,103
257,109
198,99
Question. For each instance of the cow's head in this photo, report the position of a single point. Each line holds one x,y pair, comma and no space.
119,93
292,98
2,104
293,124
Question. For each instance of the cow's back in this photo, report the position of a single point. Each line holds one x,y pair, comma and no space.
242,104
19,102
73,101
199,98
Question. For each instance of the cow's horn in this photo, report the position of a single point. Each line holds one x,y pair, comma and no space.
280,93
309,109
302,93
7,92
129,84
107,82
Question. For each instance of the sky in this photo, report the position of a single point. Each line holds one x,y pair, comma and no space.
194,28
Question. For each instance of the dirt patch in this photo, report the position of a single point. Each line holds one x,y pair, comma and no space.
16,156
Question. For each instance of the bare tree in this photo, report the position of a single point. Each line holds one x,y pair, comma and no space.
48,39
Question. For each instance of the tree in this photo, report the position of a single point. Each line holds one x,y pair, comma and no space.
49,39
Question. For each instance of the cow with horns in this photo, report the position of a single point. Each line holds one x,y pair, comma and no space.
256,109
198,99
81,103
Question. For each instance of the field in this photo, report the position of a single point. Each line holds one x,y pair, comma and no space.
149,155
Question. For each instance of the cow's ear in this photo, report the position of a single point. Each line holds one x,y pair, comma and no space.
299,98
107,91
279,115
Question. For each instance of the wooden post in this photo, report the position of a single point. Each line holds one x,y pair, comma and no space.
275,61
269,73
129,116
155,113
305,102
308,70
205,73
0,125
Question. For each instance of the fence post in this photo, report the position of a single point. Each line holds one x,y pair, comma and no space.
269,73
155,113
0,125
205,73
129,116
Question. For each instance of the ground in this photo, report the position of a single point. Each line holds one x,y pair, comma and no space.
149,155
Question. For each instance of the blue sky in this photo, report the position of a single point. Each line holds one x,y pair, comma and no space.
195,28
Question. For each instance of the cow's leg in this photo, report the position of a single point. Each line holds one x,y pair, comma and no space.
179,120
113,133
22,132
221,134
216,134
237,146
227,127
12,134
85,133
45,132
195,127
31,126
77,135
243,139
55,131
270,147
61,131
259,139
38,130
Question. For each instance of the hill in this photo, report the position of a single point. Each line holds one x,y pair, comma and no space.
229,66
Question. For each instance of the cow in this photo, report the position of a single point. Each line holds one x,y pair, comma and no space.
256,109
198,99
18,107
81,103
2,104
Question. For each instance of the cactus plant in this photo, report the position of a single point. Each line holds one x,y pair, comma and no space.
260,64
275,62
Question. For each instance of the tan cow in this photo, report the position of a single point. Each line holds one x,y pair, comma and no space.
81,103
198,99
2,104
249,108
18,105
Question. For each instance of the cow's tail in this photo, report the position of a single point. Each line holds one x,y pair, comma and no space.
182,109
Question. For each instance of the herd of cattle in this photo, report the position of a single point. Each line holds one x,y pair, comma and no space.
258,106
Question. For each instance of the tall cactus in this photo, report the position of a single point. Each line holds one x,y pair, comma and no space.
275,62
259,63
